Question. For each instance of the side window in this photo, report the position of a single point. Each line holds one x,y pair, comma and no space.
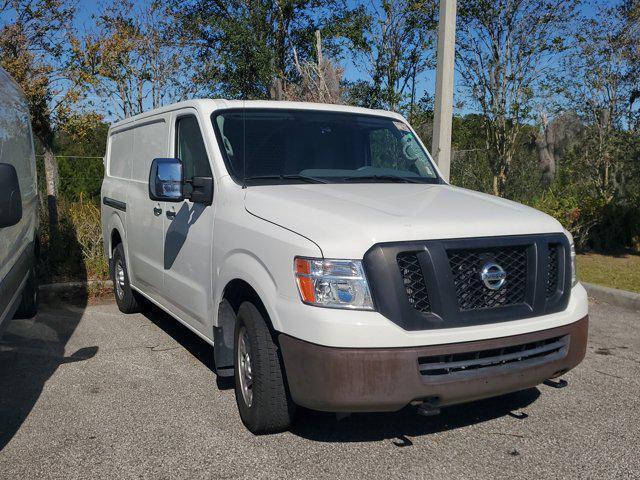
190,148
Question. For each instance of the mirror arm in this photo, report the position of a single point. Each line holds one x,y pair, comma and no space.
201,190
187,195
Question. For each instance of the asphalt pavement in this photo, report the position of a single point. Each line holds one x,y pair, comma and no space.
86,392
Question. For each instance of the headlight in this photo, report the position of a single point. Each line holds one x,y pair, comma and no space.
332,283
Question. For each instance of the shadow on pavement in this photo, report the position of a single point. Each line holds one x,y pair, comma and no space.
363,427
181,334
189,341
31,350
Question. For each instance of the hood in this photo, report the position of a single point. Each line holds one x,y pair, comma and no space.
345,220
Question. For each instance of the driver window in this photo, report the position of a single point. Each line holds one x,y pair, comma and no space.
190,148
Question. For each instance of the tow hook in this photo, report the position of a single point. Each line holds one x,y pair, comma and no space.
428,407
559,384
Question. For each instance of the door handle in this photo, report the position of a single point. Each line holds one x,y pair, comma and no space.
157,211
171,214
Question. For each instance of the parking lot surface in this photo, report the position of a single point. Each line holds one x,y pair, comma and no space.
86,392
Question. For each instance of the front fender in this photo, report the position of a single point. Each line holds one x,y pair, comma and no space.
244,265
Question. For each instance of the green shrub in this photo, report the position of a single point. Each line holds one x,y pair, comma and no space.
593,223
76,251
617,227
80,179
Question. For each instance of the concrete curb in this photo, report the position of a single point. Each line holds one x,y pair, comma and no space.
621,298
67,286
51,291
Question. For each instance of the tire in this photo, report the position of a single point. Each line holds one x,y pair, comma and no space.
128,301
268,408
30,296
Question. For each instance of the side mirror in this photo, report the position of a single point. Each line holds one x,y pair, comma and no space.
10,197
166,180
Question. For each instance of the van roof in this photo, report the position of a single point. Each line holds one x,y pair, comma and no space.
209,105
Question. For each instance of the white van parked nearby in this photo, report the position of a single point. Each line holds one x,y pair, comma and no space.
319,251
18,205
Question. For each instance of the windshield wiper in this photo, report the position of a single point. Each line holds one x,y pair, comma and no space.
393,178
296,176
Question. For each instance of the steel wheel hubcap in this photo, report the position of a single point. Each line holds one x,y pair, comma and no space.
244,367
120,279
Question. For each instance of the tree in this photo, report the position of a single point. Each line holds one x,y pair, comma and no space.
82,135
136,59
394,46
245,47
552,141
33,48
629,13
598,85
504,49
320,81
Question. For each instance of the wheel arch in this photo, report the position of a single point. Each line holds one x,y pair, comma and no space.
244,277
114,235
235,292
115,240
238,291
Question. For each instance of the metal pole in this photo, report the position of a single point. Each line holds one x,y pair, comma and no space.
443,108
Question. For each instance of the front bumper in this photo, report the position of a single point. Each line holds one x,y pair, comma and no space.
387,379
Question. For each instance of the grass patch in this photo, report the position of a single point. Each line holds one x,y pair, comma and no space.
619,271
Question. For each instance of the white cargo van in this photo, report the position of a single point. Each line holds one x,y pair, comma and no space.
319,251
18,205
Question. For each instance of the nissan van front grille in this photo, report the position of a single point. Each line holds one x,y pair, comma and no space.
432,284
472,293
456,363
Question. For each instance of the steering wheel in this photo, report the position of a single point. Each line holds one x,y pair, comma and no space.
409,150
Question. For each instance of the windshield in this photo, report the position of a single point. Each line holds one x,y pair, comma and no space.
293,146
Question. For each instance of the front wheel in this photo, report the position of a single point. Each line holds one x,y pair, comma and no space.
262,395
128,301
